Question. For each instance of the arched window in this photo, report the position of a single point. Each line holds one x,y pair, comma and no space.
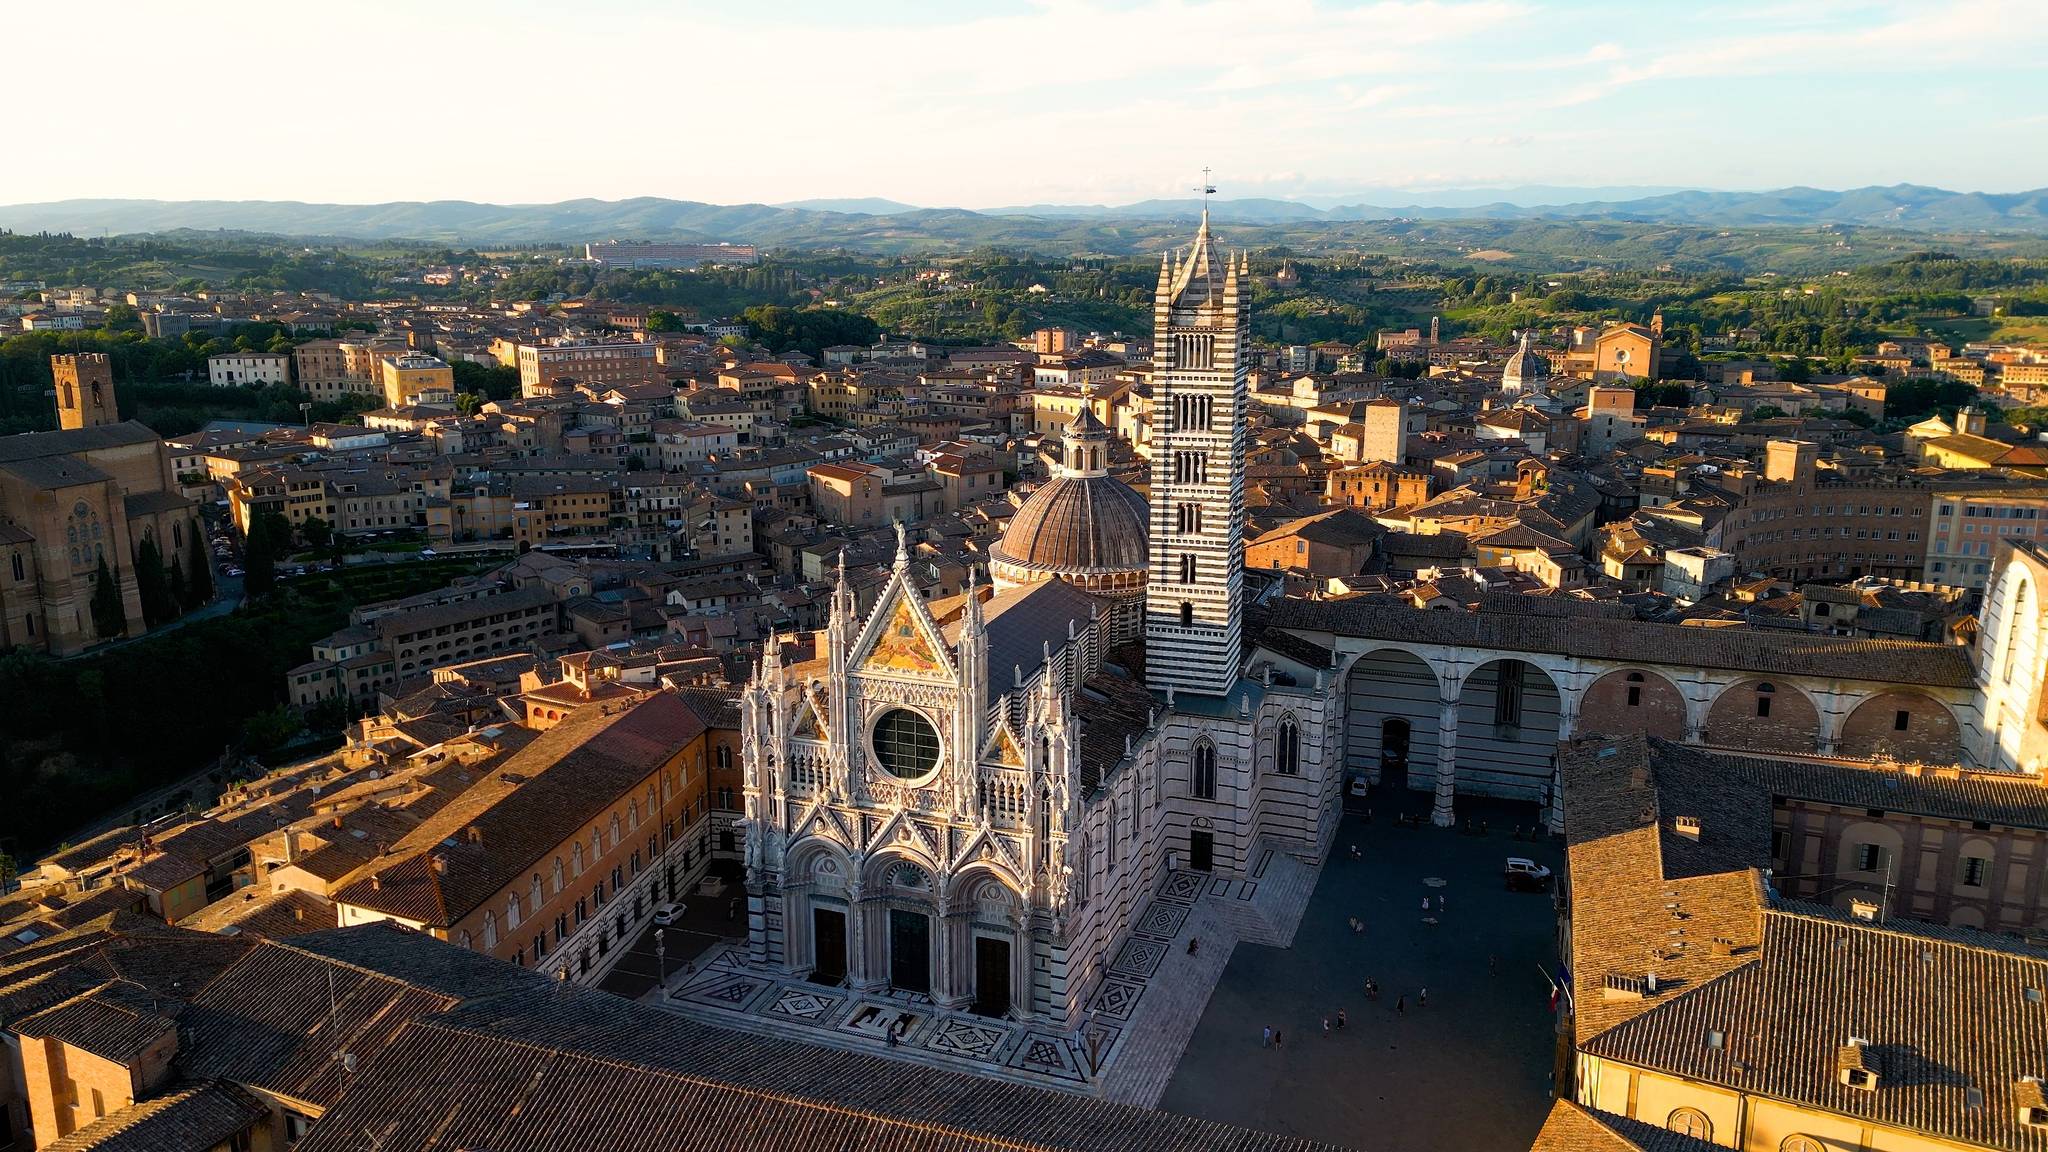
1287,748
576,860
1188,519
723,756
1764,692
512,911
1691,1122
539,896
615,830
1187,614
1204,764
490,930
558,875
1635,689
1187,568
2021,615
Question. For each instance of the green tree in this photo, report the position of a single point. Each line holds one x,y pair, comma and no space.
199,581
266,732
108,620
316,531
270,536
158,605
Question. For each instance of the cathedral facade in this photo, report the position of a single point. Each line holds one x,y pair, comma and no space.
973,799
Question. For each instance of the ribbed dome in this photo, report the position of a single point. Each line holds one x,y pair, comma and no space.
1076,525
1527,366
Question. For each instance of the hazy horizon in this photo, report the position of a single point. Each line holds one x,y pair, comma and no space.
1311,100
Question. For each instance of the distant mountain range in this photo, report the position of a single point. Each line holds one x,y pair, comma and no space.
889,224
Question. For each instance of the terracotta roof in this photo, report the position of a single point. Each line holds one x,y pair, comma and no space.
520,1075
499,828
1781,653
1573,1127
189,1118
1943,1013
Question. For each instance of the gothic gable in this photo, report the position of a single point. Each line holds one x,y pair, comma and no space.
1002,748
901,639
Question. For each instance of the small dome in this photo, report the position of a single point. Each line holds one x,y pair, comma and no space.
1078,526
1525,368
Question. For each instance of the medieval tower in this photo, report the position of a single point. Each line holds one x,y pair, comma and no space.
85,390
1196,585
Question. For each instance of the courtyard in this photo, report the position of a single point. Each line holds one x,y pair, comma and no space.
1471,1070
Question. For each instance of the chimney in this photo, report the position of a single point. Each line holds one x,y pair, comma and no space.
439,863
376,882
1688,827
473,834
298,913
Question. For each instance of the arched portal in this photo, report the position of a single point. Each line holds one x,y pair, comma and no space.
1392,695
1508,723
1765,715
1904,726
1630,700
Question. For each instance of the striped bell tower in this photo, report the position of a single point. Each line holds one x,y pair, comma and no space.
1195,592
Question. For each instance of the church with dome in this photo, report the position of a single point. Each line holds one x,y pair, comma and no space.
973,801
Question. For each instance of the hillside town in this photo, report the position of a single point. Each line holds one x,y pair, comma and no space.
944,715
893,743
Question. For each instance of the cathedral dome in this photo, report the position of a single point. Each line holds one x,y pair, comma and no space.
1083,526
1078,524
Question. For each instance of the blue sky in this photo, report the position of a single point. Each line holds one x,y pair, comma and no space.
1019,101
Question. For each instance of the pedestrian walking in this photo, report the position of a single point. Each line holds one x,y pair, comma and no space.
1401,1005
1276,1038
1340,1017
1439,903
1326,1027
1266,1037
1422,998
1425,903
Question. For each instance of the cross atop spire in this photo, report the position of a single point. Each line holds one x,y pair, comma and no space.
1207,190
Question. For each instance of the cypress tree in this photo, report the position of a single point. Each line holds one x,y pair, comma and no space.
108,621
199,581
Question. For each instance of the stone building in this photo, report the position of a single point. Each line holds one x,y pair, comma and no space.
68,500
975,799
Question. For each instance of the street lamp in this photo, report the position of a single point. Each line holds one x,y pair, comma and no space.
661,958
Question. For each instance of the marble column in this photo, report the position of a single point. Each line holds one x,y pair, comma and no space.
1441,813
862,945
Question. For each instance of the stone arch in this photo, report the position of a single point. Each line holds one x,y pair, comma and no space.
874,871
1767,715
802,863
1629,700
2019,624
969,883
1510,713
1393,712
1904,725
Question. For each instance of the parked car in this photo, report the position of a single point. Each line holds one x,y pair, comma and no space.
668,914
1526,875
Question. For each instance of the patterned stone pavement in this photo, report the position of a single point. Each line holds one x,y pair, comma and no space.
1139,1020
